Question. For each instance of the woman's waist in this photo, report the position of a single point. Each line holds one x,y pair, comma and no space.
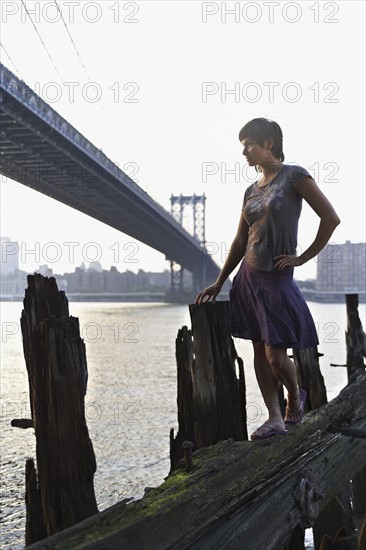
266,270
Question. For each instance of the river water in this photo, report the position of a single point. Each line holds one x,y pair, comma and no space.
131,396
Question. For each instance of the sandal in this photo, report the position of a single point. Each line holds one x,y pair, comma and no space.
298,416
272,430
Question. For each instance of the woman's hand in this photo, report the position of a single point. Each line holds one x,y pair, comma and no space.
208,292
285,260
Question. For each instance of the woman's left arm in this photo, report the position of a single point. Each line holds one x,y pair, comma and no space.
329,220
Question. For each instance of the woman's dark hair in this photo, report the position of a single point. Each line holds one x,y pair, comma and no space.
260,129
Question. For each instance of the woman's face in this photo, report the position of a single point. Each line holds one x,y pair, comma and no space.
255,153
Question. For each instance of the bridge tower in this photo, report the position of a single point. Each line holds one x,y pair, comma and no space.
198,204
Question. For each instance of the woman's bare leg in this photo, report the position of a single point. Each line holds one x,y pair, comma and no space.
284,370
268,385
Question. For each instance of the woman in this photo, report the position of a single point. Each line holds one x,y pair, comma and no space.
266,305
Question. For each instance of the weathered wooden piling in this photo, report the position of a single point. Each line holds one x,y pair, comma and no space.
310,377
211,397
57,371
355,337
356,353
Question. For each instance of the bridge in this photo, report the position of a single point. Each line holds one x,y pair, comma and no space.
40,149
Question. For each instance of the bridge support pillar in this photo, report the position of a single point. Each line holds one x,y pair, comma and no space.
196,203
176,277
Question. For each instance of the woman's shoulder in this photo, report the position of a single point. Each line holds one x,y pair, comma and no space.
295,173
296,168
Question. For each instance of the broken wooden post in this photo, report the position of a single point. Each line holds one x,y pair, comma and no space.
355,337
186,417
218,404
356,351
310,377
211,398
56,364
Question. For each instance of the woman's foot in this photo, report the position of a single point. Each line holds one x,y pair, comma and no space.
269,429
295,410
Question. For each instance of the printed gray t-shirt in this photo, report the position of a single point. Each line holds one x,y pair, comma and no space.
272,213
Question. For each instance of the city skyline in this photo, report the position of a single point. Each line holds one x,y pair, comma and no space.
341,269
333,262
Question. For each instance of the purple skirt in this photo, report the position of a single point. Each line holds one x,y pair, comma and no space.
267,306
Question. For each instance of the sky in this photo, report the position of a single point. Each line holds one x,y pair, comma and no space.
163,88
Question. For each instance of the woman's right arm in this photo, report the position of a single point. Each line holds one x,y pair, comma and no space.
236,253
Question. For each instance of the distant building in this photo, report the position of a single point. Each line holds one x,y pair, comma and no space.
13,283
161,279
95,266
90,280
342,267
9,256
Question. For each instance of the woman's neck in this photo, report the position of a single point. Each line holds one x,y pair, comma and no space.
269,170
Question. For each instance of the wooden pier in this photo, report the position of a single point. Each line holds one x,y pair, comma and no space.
225,492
